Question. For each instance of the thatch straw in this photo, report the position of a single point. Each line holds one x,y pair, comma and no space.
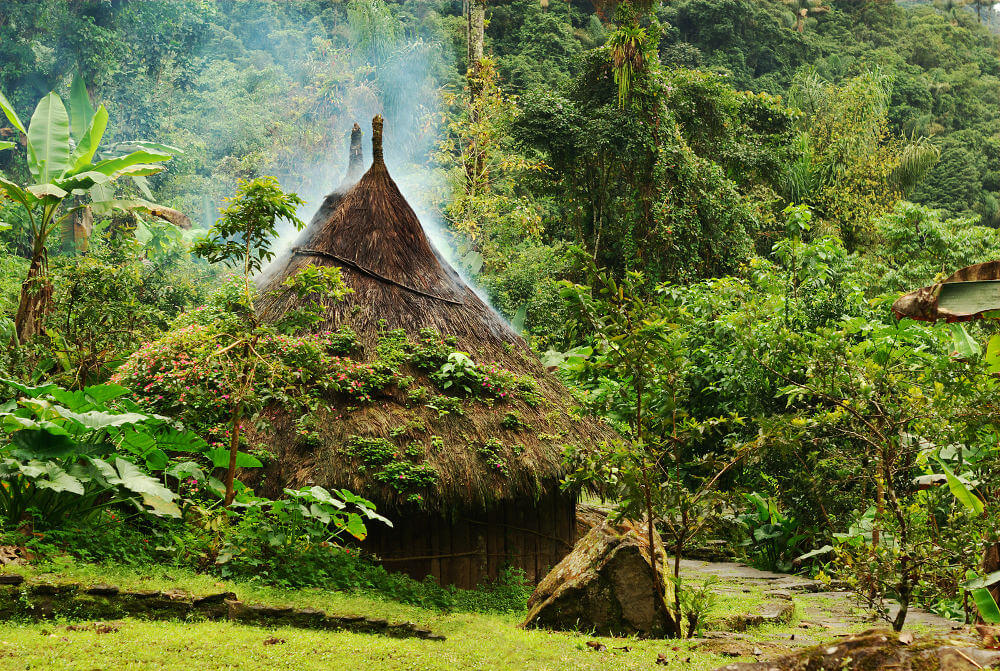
401,282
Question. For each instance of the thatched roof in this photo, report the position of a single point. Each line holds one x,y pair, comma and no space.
401,282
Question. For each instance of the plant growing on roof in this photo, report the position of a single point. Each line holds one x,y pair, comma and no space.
61,149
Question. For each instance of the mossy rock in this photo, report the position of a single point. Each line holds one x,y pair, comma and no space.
878,649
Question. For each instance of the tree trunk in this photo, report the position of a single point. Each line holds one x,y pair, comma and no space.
234,448
475,32
36,299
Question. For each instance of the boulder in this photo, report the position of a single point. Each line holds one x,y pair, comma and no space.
604,586
877,649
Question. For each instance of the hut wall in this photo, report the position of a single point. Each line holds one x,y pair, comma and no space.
464,547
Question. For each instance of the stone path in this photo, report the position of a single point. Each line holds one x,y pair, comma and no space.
821,612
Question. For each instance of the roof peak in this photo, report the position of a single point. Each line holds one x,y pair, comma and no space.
377,139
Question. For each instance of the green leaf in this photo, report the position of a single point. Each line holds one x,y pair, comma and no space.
160,506
91,140
220,459
8,110
153,146
30,392
960,491
90,398
987,605
186,469
81,111
136,481
17,193
41,444
49,137
47,190
4,144
993,354
58,480
96,419
964,345
356,526
173,440
976,582
112,166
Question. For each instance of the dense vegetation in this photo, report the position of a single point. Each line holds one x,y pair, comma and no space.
698,211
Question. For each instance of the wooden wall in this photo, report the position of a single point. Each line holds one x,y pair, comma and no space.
464,547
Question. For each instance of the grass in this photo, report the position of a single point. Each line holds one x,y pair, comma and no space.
474,641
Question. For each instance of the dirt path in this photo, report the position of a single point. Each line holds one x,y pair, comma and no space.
787,612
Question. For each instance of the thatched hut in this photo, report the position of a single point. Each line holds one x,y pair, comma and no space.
470,475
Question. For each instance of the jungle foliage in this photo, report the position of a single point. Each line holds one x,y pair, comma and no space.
698,212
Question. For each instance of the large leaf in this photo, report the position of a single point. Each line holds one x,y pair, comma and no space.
30,392
961,492
992,357
136,481
977,582
220,459
49,138
81,111
47,190
172,440
186,469
90,398
154,146
160,506
113,166
58,480
987,605
11,115
16,193
355,526
96,419
40,444
91,139
962,343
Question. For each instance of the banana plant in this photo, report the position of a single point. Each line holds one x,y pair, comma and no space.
61,150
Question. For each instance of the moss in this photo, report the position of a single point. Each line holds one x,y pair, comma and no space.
445,405
394,467
491,452
513,421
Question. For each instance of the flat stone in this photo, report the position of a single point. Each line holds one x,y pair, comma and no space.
142,594
11,579
102,590
51,589
219,597
770,613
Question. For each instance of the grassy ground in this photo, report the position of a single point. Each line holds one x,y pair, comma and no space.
474,641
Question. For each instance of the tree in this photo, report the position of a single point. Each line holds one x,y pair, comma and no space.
62,168
243,238
633,373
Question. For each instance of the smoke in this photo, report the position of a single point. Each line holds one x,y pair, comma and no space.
403,82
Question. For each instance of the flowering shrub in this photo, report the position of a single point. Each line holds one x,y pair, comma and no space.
178,376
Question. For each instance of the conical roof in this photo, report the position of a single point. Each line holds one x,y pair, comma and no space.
400,281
